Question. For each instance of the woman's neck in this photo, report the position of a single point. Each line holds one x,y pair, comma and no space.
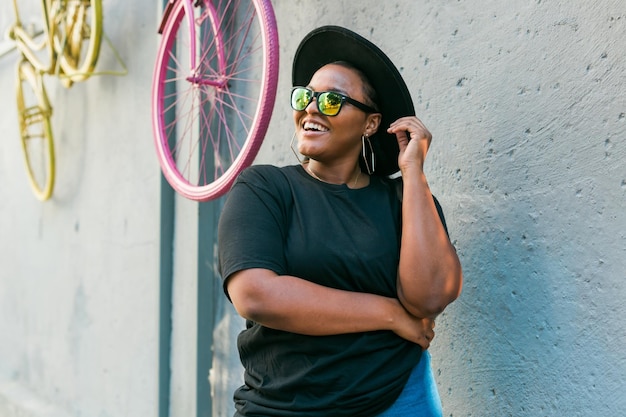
350,178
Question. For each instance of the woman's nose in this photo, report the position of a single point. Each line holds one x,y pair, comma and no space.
308,106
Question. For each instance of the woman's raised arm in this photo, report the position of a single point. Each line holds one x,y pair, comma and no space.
429,273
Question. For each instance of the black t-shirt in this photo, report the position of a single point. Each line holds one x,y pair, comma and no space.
284,220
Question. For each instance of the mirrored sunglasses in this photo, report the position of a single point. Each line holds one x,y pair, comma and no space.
329,103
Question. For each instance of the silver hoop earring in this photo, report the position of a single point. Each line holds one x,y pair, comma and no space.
294,150
369,165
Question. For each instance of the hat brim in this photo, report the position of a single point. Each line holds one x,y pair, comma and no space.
333,43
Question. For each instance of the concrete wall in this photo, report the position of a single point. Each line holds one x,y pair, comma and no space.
78,281
526,103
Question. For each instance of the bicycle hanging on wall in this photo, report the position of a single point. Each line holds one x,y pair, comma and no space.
213,91
67,46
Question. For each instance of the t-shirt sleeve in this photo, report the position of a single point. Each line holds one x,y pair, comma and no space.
441,216
251,228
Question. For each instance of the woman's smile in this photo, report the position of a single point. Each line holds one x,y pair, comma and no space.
315,127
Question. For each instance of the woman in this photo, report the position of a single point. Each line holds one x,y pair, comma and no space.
338,274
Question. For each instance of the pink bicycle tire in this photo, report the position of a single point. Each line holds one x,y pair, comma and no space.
213,114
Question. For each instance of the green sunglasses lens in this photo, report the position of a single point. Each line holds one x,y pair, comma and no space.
300,98
329,103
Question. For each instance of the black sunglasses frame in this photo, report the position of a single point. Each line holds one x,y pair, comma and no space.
315,95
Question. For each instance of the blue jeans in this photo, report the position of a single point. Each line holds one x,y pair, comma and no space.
420,397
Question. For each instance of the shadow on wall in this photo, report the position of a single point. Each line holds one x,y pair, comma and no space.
536,330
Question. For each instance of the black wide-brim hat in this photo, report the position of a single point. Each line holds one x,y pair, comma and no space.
329,44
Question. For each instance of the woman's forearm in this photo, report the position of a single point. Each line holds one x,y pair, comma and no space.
300,306
429,273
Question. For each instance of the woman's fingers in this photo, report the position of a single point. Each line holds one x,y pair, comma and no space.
411,124
413,140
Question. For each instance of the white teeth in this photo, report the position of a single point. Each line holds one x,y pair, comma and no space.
314,126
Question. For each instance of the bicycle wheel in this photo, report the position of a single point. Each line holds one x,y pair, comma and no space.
213,92
77,28
33,112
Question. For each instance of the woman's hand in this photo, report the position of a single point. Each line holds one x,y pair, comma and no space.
414,329
413,139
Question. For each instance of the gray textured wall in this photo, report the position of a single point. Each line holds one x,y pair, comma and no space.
526,103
